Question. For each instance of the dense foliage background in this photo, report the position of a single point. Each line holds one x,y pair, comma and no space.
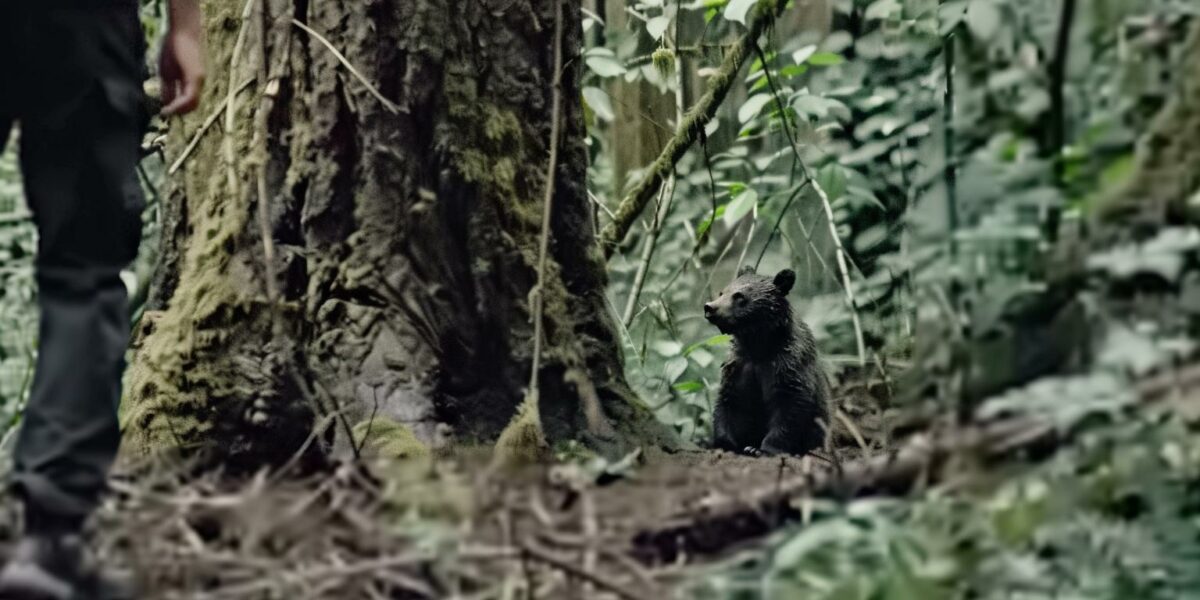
959,166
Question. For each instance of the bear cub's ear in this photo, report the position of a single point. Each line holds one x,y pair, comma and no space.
785,280
745,270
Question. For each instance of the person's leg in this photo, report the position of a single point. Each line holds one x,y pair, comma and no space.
6,124
78,162
80,139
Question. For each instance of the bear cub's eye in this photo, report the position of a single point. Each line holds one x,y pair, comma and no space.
739,298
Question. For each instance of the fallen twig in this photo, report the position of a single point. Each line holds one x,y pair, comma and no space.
604,583
722,524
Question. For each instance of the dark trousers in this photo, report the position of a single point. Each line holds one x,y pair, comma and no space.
70,77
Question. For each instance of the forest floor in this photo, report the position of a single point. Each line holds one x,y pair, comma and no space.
450,527
648,527
651,526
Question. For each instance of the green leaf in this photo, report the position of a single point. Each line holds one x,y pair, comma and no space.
605,66
706,224
826,59
701,357
838,109
600,103
712,126
716,340
832,178
741,205
871,237
819,107
1033,103
809,105
865,197
983,18
804,53
950,14
675,368
688,387
883,9
736,10
1065,400
752,107
793,70
1117,171
667,348
657,26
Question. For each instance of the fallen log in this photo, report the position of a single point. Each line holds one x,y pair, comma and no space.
718,525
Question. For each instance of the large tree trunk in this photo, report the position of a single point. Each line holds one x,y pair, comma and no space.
406,238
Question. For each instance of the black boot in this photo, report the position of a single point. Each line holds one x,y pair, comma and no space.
52,565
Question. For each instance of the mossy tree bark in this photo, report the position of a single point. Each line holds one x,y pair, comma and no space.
406,237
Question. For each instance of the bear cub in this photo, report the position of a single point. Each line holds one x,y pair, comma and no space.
774,396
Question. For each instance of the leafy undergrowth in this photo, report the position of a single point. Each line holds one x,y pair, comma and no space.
1115,515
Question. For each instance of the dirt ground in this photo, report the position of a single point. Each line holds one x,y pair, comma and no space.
450,528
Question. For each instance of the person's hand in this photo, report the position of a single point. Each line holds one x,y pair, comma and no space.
182,62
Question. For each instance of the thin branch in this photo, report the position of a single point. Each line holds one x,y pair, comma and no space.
853,429
720,257
555,125
1057,134
604,583
208,123
667,193
639,278
951,172
688,132
227,151
391,107
779,221
591,531
264,200
259,585
840,250
845,272
749,238
699,239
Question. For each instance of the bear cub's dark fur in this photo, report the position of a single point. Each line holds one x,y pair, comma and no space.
774,396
